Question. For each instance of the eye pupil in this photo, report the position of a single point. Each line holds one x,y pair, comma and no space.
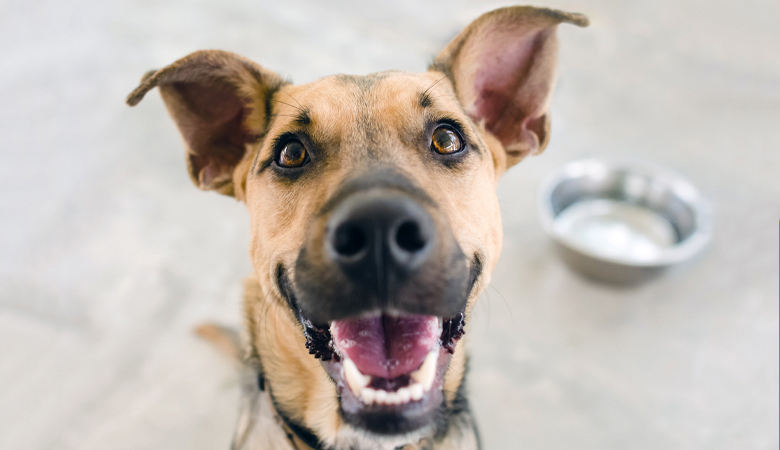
292,155
445,141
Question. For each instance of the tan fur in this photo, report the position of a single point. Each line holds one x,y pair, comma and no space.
226,340
386,106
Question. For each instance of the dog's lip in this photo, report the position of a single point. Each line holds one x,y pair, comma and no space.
319,341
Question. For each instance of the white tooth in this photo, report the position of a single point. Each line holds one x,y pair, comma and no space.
404,395
368,395
381,396
425,374
416,391
392,399
356,380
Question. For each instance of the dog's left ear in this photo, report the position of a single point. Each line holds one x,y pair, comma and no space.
219,101
503,68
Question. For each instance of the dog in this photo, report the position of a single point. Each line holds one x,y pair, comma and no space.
374,225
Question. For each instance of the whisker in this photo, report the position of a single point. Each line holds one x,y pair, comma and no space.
265,325
508,308
290,105
262,319
487,310
296,101
434,84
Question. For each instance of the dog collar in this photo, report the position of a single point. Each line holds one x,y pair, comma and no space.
296,434
299,434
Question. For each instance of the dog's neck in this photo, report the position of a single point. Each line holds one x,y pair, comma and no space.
300,437
260,425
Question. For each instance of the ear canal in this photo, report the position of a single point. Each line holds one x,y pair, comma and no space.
503,67
219,102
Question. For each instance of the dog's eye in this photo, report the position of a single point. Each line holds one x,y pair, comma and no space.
293,154
445,141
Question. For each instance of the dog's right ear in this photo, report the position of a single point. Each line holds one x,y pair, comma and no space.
503,68
220,103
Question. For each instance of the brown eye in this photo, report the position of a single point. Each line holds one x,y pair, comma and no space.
293,154
445,141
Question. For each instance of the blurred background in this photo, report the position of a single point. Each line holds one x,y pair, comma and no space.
109,256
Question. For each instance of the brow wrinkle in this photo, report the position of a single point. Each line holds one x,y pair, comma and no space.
445,95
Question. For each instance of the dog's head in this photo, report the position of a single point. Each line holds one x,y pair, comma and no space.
374,219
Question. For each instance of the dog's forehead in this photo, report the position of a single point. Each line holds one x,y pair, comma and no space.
391,97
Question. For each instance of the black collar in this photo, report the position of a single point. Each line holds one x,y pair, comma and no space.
303,433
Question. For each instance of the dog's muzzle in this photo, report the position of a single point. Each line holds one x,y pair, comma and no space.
381,286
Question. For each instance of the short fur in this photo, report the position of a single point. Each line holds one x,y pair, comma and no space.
495,78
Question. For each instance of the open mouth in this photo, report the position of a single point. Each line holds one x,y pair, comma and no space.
387,366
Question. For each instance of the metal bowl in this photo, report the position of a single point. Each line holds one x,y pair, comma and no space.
623,221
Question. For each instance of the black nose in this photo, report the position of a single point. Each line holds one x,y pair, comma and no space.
379,238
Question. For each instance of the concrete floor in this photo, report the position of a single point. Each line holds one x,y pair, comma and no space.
109,256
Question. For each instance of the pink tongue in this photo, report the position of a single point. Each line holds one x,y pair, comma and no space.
386,346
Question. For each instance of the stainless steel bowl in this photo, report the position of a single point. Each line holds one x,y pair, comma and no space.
623,221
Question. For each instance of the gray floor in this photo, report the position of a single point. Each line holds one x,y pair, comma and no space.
108,255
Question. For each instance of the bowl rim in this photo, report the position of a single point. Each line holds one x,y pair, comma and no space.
684,250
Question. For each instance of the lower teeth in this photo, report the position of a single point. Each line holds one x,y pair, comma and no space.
422,381
413,392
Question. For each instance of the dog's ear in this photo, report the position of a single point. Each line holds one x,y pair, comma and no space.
219,102
503,67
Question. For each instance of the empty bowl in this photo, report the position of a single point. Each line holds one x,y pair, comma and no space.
622,221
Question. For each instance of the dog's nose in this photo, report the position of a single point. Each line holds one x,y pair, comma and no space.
379,237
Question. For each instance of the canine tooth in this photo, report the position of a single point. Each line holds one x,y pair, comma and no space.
425,374
368,395
404,395
416,391
381,396
356,380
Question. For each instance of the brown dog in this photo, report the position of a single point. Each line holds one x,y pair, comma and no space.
374,224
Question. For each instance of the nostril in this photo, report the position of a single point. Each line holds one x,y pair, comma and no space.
409,237
349,240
